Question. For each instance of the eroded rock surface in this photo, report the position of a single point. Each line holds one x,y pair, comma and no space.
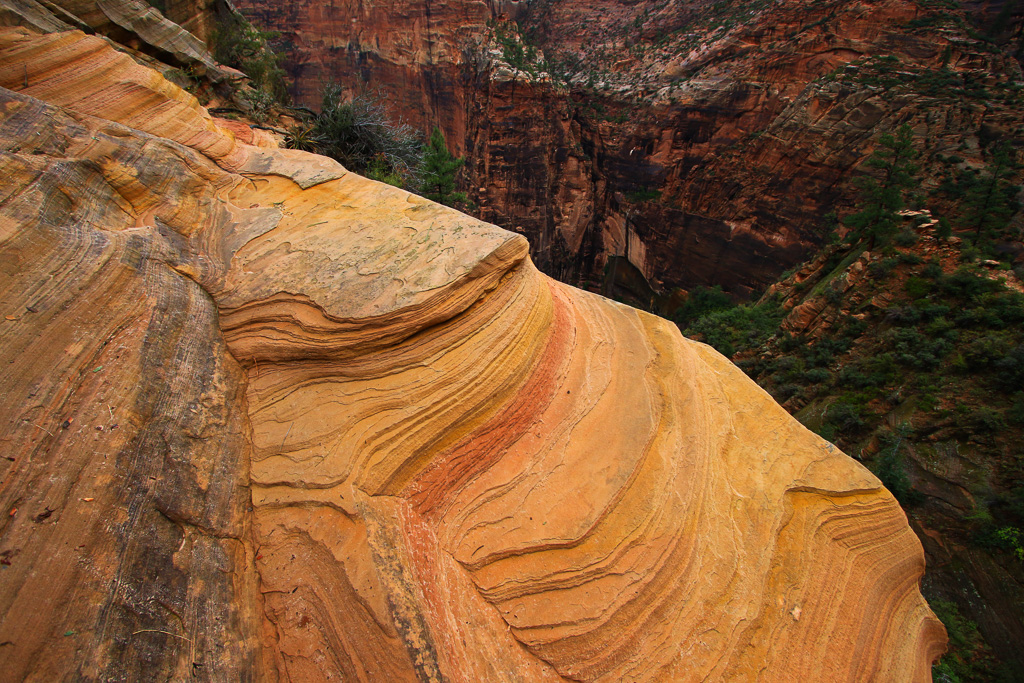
266,419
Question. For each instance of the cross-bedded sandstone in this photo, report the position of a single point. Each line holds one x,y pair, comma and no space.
267,419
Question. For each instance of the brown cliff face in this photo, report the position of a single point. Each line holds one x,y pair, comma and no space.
269,420
700,143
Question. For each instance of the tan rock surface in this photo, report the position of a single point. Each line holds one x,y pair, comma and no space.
266,419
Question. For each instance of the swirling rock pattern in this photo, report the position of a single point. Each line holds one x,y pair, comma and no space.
266,419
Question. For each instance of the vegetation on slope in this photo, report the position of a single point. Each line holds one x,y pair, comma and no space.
904,344
359,133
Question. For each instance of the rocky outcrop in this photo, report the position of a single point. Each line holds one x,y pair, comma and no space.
703,142
267,419
138,29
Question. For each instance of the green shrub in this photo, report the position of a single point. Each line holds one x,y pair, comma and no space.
932,270
981,352
701,301
1015,415
875,372
916,287
739,328
854,328
909,258
918,351
785,391
929,311
984,420
905,238
903,315
644,195
966,284
879,270
1010,368
967,659
843,416
1011,539
817,376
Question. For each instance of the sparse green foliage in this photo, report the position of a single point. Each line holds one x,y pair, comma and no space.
516,53
1012,539
741,327
438,172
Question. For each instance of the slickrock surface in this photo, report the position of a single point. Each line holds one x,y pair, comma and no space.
268,420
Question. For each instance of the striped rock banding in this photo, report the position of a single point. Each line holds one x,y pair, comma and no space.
293,424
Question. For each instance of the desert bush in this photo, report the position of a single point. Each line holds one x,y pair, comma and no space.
905,238
966,284
359,134
817,376
909,258
983,420
981,352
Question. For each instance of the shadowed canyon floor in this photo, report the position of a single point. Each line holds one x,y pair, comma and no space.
266,419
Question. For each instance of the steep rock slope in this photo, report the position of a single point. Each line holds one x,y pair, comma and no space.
267,419
702,142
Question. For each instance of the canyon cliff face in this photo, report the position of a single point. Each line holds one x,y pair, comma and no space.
705,143
269,420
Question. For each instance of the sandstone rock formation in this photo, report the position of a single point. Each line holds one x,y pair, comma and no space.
265,419
703,142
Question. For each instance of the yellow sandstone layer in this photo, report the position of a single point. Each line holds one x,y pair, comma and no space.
267,419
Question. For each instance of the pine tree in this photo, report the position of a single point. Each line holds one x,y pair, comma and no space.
883,198
991,198
438,172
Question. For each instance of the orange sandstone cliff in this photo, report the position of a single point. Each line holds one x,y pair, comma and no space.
265,419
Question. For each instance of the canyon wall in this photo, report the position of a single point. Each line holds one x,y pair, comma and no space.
715,138
266,419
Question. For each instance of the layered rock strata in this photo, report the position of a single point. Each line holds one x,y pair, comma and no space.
266,419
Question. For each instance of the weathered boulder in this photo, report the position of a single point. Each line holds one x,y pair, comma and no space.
267,419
